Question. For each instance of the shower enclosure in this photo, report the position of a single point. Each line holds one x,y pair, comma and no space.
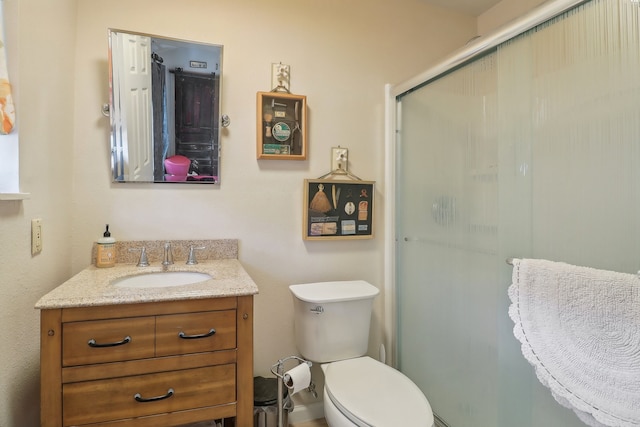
525,144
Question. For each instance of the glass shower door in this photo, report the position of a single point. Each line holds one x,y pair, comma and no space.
529,151
447,250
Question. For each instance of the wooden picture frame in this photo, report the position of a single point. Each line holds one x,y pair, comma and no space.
281,126
337,209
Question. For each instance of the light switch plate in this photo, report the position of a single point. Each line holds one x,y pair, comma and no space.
36,236
339,158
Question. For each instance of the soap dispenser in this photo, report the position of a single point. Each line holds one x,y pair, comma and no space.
106,250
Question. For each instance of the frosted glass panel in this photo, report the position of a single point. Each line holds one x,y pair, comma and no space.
530,151
448,222
580,100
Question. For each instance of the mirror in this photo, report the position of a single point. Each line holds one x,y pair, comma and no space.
164,108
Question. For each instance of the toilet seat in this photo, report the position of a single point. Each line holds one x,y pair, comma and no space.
370,393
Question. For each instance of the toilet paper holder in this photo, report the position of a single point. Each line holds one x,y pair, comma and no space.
277,369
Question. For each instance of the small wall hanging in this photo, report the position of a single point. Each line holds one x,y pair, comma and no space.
281,126
338,209
7,112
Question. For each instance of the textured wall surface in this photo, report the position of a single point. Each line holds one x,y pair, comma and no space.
341,55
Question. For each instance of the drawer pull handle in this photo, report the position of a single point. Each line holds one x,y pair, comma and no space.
193,337
93,343
141,399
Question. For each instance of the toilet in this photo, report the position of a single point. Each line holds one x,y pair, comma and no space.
331,322
177,168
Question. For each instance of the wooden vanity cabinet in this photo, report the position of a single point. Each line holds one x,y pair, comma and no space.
148,365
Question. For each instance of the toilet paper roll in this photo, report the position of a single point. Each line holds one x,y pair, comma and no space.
298,378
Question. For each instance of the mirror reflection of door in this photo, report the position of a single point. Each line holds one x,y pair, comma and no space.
148,76
195,126
136,81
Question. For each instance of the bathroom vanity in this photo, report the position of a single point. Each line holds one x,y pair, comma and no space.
167,356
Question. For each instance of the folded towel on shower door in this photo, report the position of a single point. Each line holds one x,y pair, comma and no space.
580,329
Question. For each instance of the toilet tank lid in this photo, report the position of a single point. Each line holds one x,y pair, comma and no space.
323,292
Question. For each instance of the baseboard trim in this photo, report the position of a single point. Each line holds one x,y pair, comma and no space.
302,413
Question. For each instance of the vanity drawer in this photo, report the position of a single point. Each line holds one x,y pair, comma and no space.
195,332
115,399
112,340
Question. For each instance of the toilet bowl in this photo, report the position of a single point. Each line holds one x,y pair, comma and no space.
331,324
365,392
177,168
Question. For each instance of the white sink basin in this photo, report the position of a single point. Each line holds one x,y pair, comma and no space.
162,279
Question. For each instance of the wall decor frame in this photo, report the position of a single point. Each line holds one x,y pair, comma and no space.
337,209
281,126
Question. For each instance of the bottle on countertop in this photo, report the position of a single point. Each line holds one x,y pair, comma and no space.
106,250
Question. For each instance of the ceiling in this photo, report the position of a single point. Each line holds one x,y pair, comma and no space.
472,7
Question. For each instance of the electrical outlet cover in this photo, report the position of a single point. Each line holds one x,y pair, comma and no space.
339,158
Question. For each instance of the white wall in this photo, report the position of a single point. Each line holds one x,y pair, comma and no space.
40,38
505,11
340,57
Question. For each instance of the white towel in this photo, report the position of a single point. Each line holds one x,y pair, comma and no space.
580,329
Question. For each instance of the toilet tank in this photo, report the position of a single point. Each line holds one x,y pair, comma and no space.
332,319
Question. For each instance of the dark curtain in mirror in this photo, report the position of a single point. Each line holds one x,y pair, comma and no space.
160,131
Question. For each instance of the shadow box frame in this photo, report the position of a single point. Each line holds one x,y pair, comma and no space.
339,213
279,113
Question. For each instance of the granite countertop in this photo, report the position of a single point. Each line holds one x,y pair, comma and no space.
92,286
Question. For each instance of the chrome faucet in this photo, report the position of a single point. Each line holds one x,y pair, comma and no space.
192,255
168,255
144,261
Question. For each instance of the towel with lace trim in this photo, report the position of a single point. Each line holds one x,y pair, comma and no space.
580,329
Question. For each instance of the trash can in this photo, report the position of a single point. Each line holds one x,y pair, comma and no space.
265,403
